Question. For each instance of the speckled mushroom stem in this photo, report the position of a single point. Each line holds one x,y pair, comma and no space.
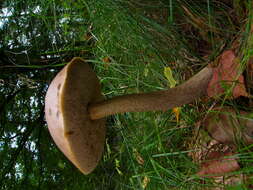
185,93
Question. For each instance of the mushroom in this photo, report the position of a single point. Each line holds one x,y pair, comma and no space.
75,109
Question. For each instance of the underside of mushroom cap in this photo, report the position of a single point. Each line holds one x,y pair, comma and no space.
78,137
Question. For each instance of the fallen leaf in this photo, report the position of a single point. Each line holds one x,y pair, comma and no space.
208,153
235,181
138,157
145,182
176,111
226,125
169,76
226,76
172,83
107,61
202,147
249,77
218,163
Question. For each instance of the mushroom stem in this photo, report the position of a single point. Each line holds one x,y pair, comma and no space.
185,93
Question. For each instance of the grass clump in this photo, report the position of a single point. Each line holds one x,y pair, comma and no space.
134,41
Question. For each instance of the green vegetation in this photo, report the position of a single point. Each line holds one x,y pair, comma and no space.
128,43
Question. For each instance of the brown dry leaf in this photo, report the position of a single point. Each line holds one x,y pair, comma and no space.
218,163
198,155
201,143
249,78
207,155
138,157
250,71
227,126
176,111
226,75
228,181
145,182
107,61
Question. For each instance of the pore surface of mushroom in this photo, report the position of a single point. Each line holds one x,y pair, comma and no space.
75,109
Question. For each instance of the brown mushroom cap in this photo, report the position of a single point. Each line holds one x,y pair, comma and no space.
78,137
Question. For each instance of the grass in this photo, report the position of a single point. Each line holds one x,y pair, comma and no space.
149,150
132,43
